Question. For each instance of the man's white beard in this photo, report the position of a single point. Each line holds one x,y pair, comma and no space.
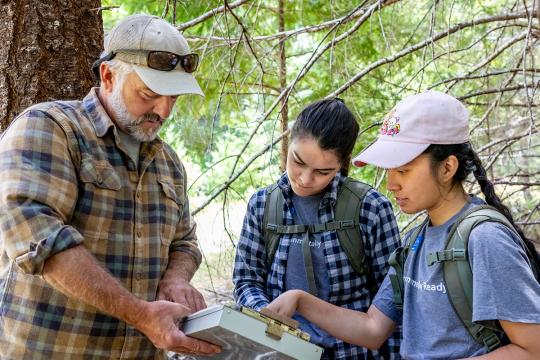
128,123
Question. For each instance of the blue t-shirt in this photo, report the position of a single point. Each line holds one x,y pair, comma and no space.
306,211
504,288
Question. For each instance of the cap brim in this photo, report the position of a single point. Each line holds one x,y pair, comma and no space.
389,154
168,83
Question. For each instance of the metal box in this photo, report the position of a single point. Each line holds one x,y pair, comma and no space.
245,334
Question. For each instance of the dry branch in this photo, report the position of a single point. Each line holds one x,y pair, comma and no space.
499,90
209,14
422,44
235,176
484,75
284,34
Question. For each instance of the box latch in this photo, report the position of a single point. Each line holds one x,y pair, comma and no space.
275,322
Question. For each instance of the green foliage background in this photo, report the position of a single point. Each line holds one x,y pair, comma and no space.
210,132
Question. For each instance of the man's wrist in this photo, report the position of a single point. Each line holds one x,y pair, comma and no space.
181,265
135,313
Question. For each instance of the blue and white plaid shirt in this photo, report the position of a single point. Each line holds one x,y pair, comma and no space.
256,286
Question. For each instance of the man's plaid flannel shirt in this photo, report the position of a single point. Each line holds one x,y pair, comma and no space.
256,286
53,198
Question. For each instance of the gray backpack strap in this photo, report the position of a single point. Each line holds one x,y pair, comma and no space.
272,218
397,261
272,223
348,206
458,275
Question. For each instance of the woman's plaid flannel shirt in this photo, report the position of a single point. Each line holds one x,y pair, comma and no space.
256,286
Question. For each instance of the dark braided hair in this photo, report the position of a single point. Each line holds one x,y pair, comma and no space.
469,162
332,125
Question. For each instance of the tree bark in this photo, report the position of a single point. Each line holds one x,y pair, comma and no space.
46,51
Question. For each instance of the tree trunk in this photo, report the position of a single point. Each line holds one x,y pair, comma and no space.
46,50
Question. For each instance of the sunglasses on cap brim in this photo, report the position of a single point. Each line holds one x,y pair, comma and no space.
157,60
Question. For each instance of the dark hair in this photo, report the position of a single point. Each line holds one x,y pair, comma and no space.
470,162
332,125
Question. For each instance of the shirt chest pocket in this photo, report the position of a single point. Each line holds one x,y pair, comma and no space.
99,174
99,188
171,212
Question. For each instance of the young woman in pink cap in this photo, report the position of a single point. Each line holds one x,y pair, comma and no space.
424,144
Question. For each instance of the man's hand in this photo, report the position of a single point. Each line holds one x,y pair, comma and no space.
175,286
160,322
180,291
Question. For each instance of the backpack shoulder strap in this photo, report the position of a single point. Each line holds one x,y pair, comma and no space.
349,204
349,201
458,275
273,216
397,261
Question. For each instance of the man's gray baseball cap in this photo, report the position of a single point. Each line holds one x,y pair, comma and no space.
135,36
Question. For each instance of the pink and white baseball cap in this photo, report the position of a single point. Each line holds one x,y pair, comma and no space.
415,123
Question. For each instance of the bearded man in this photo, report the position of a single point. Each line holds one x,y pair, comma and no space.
97,244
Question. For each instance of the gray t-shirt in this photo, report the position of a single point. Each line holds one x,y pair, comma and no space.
504,288
306,211
130,145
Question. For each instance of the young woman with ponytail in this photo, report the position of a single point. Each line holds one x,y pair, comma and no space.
424,145
322,140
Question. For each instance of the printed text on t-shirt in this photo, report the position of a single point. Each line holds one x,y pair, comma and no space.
422,285
316,244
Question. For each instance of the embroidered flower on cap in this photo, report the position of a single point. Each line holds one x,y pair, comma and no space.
390,125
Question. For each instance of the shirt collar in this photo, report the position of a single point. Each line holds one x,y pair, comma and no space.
101,120
94,108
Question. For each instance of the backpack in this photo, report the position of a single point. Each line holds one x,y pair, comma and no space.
346,223
457,273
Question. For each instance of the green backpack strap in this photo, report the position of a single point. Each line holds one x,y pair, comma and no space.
349,205
458,275
349,202
273,215
397,261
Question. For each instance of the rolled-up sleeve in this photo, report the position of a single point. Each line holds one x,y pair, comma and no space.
38,191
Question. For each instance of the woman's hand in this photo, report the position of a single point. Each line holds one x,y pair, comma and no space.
286,303
369,329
